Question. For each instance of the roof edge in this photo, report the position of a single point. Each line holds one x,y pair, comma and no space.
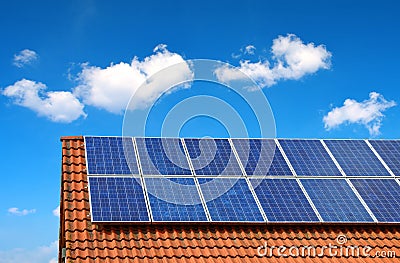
65,138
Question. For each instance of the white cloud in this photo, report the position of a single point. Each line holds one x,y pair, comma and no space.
368,113
292,59
250,49
24,57
58,106
40,254
247,50
56,211
260,72
17,212
111,88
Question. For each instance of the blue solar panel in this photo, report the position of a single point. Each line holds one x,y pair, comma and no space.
309,157
174,199
356,158
118,199
110,155
261,157
335,200
230,199
212,157
382,197
162,156
283,200
390,153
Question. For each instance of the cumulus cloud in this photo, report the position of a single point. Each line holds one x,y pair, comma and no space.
368,113
111,88
291,59
56,211
17,212
42,254
58,106
25,57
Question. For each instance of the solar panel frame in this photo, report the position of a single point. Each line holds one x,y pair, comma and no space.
309,158
215,166
283,200
389,152
382,197
253,197
168,167
356,158
117,159
261,160
217,202
323,190
129,195
163,210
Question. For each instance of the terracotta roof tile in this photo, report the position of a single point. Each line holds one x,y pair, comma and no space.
89,242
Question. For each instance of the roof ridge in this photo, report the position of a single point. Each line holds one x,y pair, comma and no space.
76,137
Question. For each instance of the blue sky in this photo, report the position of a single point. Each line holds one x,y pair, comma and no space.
338,79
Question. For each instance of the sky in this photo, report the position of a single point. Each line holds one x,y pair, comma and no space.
328,69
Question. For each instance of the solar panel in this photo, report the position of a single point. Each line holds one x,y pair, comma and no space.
309,157
283,200
382,197
173,196
356,158
117,199
261,157
390,152
174,199
212,157
110,155
230,199
335,200
163,156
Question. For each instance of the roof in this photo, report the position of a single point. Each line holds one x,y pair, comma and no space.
85,241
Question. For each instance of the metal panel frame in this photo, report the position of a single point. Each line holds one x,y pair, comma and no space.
237,177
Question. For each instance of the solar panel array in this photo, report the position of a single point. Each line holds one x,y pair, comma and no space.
243,180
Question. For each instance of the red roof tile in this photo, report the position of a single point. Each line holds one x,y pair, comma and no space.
87,242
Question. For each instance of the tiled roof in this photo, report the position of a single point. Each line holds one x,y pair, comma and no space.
87,242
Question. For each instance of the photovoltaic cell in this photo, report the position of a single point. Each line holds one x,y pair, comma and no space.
283,200
117,199
309,157
110,155
382,197
390,152
174,199
261,157
356,158
212,157
163,156
230,199
335,200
